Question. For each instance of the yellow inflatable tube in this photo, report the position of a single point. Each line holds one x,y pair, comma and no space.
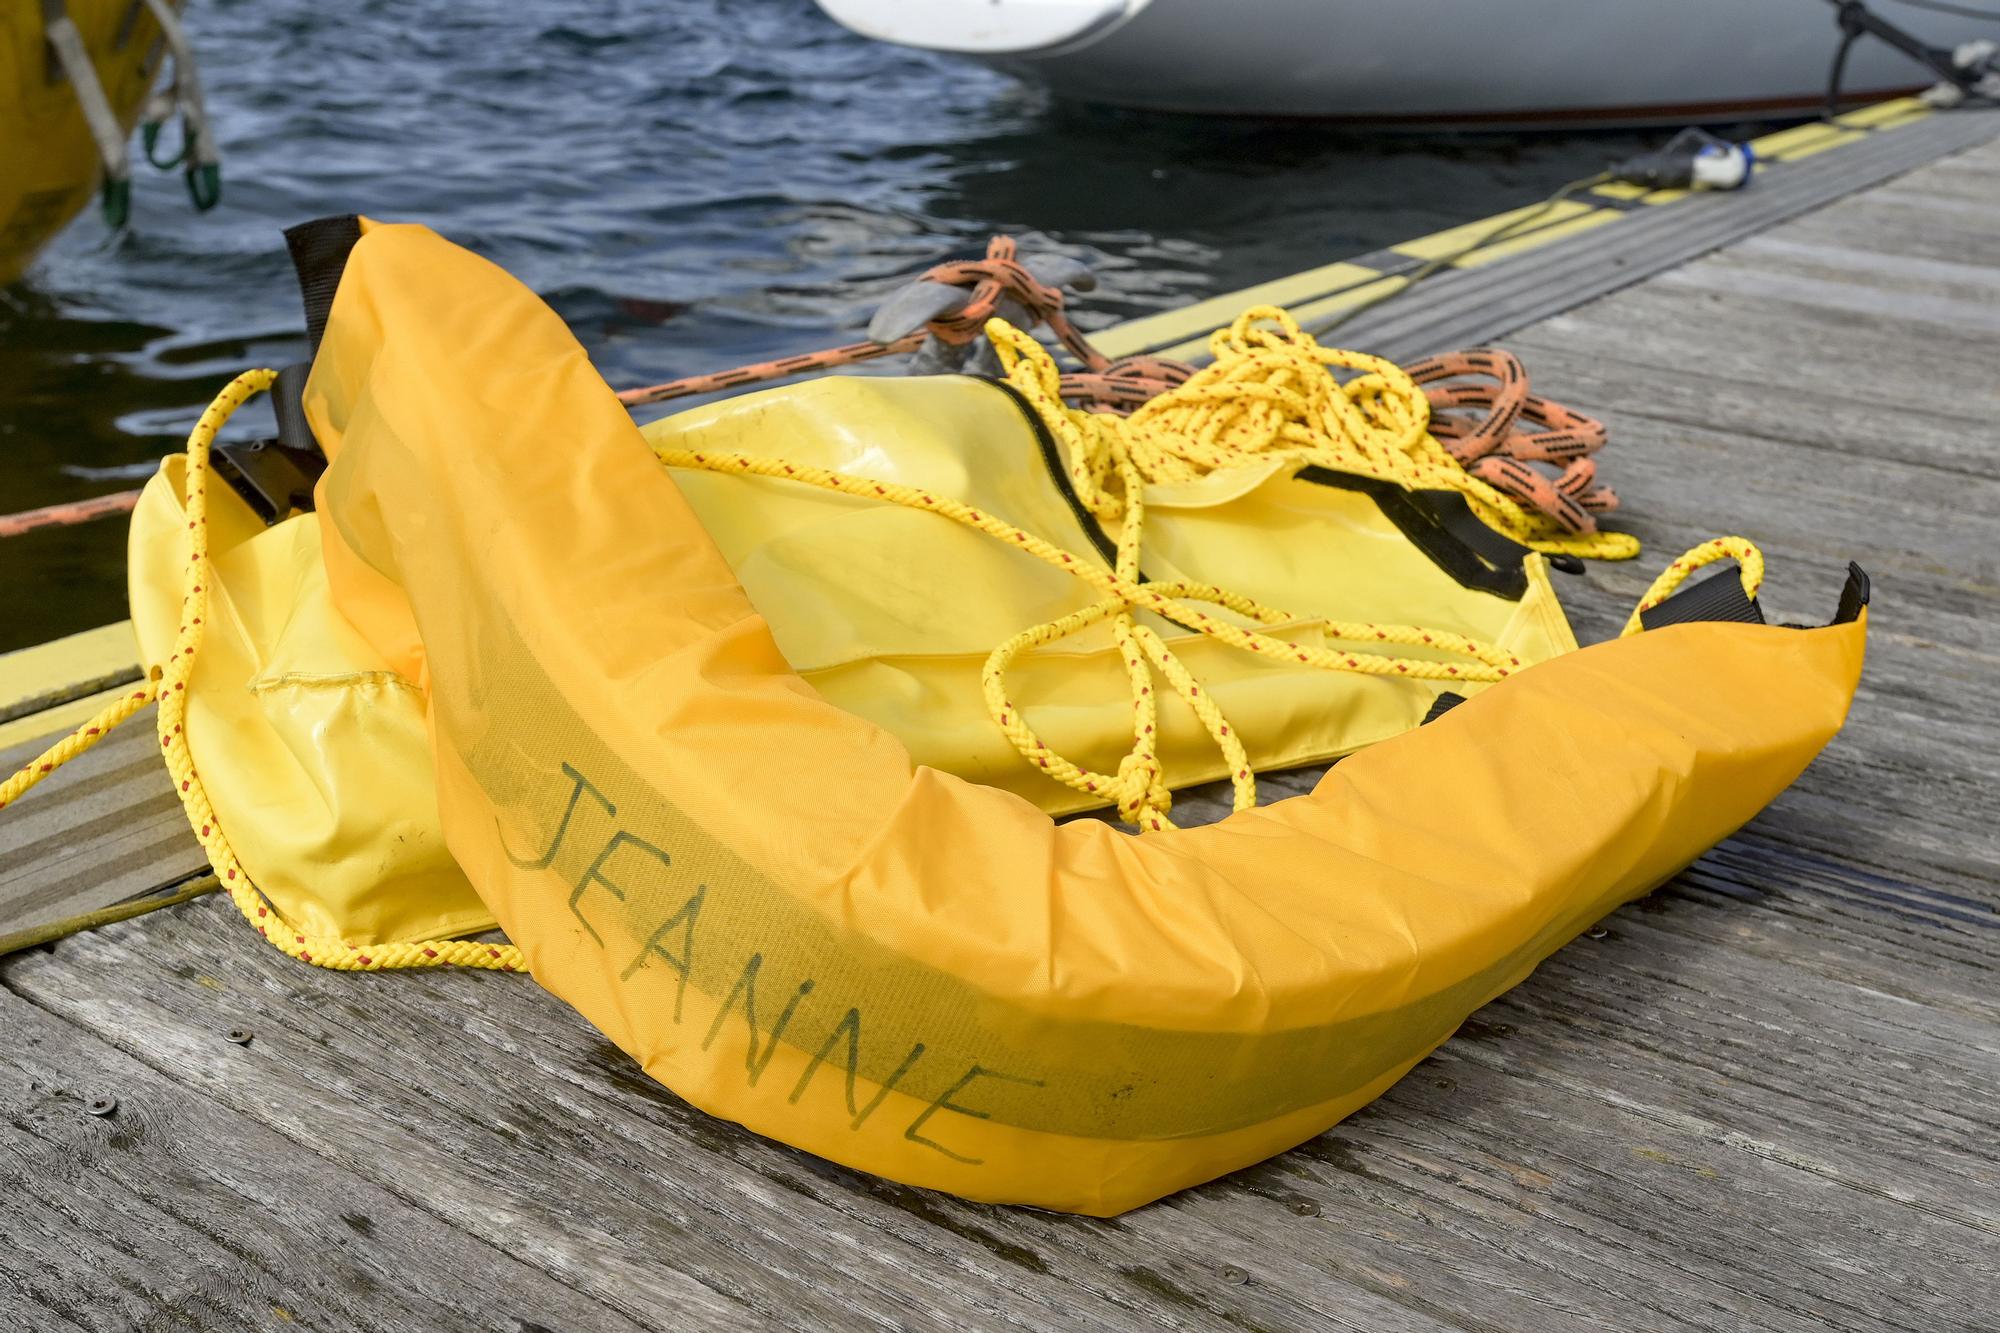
760,898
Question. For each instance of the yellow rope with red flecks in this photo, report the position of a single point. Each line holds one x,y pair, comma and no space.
1750,568
325,951
1271,392
74,744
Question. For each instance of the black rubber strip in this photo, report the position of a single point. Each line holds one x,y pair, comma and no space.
288,405
1852,597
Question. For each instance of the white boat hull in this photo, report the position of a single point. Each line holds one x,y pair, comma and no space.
1421,62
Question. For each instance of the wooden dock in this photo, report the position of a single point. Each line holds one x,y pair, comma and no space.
1766,1097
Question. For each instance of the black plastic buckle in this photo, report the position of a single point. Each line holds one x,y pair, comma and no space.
276,476
274,479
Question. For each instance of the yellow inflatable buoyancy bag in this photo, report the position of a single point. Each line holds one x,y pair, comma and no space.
759,896
891,613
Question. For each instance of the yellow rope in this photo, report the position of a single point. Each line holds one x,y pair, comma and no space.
74,744
1383,418
169,687
1750,568
1138,789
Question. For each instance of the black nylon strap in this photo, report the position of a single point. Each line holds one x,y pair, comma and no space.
1441,705
319,255
1443,527
1718,597
288,405
1852,597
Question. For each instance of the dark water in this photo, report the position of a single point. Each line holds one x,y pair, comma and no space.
691,183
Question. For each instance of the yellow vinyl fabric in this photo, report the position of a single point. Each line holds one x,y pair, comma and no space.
761,897
48,161
890,613
312,749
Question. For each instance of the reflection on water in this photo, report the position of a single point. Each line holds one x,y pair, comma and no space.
691,185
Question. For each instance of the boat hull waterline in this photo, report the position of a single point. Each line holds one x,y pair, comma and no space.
1440,64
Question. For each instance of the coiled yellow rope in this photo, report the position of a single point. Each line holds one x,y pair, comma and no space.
1270,392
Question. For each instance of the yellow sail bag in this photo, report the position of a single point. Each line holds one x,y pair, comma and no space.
892,614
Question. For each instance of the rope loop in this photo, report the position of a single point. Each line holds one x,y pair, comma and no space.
1750,569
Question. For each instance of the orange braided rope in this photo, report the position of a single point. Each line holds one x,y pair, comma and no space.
1497,449
1116,386
68,514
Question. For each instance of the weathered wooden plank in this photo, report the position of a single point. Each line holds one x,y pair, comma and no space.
1665,1207
1893,313
1180,1258
1906,219
1885,1095
1847,417
1858,266
1917,942
1680,331
577,1161
104,827
1001,1223
174,1211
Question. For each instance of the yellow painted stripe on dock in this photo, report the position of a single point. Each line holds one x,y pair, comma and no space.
1310,311
1137,334
1639,193
1456,238
1898,112
51,673
1901,118
1585,220
1776,146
